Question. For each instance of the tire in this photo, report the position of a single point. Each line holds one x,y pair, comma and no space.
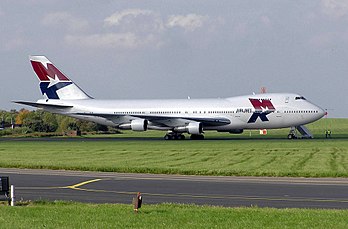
168,137
197,137
290,136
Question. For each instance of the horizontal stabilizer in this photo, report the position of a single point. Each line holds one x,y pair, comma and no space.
43,105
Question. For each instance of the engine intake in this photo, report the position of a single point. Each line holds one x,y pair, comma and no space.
195,128
139,124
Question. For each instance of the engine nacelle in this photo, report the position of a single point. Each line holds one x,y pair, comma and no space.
236,131
139,124
194,128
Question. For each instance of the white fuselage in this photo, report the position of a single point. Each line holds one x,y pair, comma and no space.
289,110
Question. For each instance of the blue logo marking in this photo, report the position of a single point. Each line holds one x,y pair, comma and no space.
261,115
51,92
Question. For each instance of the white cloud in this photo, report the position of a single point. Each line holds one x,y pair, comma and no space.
110,40
116,18
128,29
335,8
65,19
189,22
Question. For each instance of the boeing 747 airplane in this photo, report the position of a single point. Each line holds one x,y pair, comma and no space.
176,116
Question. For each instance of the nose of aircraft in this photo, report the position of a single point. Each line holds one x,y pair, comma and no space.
321,112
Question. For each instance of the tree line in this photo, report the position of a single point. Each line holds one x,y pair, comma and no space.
25,121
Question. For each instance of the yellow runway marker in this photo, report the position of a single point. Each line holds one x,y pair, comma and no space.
76,186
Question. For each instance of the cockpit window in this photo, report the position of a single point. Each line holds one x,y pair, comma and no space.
300,98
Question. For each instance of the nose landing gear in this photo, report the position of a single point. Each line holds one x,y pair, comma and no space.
306,134
180,136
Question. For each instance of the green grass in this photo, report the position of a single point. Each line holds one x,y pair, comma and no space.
78,215
306,158
239,156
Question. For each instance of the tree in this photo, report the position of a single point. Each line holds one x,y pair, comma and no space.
22,114
50,123
66,123
34,121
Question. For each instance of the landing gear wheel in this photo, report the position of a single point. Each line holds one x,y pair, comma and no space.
168,137
291,136
181,137
174,136
197,137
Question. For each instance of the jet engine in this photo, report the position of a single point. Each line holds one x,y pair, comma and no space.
139,125
194,128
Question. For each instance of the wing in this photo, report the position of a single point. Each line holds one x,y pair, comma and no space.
43,105
162,121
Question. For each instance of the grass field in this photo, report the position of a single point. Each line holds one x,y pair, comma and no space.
59,215
307,158
240,156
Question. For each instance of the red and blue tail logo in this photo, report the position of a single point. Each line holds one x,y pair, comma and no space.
51,79
53,83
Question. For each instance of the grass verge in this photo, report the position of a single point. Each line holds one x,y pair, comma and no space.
297,158
78,215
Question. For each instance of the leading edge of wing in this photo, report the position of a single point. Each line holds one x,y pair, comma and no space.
218,121
42,105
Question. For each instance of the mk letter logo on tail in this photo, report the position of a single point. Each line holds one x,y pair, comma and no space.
51,79
263,107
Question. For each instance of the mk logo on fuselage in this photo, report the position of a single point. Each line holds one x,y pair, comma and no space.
263,107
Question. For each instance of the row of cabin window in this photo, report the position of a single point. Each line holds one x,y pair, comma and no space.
175,112
306,111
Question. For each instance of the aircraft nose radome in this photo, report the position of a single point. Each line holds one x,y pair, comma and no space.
321,113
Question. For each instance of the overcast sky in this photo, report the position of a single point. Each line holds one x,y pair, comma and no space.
174,49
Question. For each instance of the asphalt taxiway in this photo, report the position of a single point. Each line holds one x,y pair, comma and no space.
99,187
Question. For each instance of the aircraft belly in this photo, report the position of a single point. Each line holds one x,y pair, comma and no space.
169,122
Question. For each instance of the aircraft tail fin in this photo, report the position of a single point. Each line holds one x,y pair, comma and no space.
53,83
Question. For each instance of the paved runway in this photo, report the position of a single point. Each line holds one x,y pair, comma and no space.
225,191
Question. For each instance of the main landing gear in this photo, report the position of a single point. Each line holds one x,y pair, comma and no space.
174,136
179,136
197,137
